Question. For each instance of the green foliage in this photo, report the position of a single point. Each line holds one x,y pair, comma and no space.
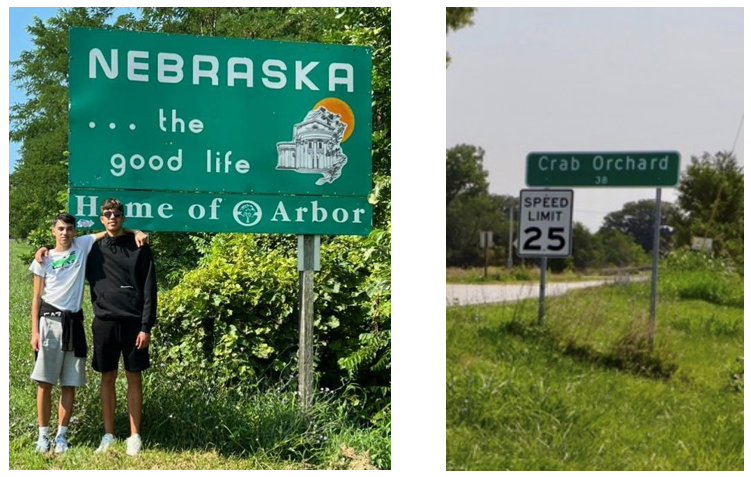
464,172
710,195
637,220
584,247
620,250
466,216
696,275
40,123
369,362
235,316
372,27
176,253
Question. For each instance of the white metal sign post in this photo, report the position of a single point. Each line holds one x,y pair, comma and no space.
545,228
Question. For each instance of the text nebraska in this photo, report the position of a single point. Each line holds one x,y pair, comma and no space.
237,70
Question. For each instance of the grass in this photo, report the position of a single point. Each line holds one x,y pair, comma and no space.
186,425
585,391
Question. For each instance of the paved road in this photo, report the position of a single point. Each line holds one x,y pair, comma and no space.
478,294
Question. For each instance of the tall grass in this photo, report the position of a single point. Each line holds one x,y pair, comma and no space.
189,424
696,275
586,391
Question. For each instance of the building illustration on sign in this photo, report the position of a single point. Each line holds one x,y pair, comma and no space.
316,147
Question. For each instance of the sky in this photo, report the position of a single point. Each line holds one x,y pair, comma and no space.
595,79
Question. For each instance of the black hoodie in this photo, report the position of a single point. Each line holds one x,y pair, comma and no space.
123,280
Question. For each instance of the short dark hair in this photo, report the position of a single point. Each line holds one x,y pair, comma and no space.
65,218
112,204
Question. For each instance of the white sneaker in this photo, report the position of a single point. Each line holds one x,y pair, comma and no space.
107,441
134,444
61,444
43,444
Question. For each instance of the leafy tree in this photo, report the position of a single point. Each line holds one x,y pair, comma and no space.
40,123
710,197
620,250
586,251
464,172
456,18
466,217
372,27
636,219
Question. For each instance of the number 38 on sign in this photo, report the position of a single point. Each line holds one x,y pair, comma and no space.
545,223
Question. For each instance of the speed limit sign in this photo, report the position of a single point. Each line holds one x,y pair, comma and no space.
545,222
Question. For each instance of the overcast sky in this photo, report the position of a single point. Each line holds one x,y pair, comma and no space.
610,79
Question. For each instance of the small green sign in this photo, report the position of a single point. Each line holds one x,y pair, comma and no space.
603,169
205,212
157,111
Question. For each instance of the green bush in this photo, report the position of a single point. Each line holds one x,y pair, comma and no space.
235,316
692,275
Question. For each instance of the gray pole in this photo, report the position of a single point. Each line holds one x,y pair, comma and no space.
655,258
543,270
487,239
510,237
305,353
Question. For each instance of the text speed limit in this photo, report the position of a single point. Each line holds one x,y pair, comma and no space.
545,223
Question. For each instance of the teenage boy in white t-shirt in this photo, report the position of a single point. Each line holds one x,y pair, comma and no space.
57,334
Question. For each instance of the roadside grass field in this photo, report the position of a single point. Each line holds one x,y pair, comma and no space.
584,390
185,426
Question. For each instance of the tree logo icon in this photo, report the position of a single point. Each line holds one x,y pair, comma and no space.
247,213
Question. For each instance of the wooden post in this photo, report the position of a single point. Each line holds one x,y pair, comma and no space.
306,266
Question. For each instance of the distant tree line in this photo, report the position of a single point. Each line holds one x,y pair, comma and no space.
710,205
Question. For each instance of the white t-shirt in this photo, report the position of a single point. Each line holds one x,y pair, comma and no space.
64,274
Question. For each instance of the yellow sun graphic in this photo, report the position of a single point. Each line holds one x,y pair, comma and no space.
341,108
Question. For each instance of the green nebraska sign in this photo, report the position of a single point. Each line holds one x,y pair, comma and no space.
207,212
168,112
603,169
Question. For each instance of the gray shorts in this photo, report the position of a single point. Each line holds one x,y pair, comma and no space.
52,363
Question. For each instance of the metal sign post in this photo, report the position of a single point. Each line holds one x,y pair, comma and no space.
308,247
543,270
545,218
655,258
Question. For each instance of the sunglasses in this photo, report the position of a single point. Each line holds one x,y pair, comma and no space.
110,214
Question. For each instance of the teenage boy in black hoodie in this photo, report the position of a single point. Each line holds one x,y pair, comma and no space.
123,293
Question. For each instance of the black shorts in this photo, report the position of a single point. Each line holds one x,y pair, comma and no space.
113,338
